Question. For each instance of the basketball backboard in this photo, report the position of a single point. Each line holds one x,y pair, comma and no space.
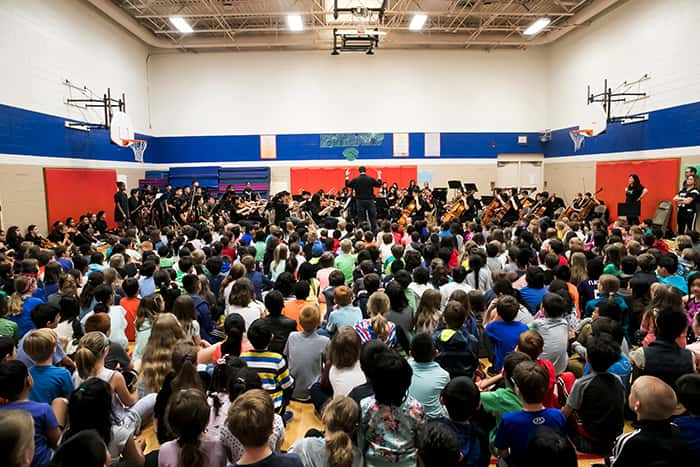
121,130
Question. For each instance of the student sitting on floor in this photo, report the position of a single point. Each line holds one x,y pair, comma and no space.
429,379
597,400
688,391
655,441
50,381
518,428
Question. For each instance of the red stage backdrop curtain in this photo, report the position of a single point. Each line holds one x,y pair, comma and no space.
73,192
318,178
659,176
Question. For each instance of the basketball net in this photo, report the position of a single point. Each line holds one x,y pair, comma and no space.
578,136
138,146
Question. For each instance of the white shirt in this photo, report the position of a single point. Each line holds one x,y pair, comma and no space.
447,289
117,330
344,380
253,311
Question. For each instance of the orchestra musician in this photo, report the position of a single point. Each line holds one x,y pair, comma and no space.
686,200
121,205
248,194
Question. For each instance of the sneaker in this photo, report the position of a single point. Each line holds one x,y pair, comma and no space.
287,416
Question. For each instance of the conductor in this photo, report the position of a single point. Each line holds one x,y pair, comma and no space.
364,186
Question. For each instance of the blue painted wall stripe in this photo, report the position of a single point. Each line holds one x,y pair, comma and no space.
32,133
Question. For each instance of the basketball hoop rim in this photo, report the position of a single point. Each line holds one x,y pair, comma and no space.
582,132
127,142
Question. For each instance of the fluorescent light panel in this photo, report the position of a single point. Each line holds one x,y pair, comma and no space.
418,22
537,26
181,25
295,23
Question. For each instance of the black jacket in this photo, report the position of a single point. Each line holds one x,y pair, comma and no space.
652,443
364,186
280,327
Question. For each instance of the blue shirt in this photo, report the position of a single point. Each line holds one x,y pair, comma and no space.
44,420
147,286
505,338
427,383
345,316
518,428
58,355
533,297
690,429
621,368
23,320
676,281
50,382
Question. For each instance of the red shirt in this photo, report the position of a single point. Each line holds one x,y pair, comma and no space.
230,252
130,305
550,400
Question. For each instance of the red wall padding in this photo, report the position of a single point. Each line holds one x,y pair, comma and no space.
660,176
316,178
73,192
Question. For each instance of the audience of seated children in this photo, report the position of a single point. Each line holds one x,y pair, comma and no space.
655,440
517,429
554,329
596,402
15,385
457,349
429,379
504,332
303,352
461,400
391,419
45,316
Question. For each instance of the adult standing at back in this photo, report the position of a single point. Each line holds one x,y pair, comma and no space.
364,186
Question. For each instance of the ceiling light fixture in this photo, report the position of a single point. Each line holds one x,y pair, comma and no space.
295,23
181,25
537,26
418,22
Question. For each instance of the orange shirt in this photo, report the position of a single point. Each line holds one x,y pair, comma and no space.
573,291
130,305
292,309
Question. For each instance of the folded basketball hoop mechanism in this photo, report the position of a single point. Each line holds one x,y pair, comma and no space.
138,146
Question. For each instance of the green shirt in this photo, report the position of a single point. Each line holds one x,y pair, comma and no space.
166,263
9,329
611,269
346,263
259,251
499,402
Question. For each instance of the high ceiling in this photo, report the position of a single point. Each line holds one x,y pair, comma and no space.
262,24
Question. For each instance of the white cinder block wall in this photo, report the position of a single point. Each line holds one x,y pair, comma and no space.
314,92
44,42
660,38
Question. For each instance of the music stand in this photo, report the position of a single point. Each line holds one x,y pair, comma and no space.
440,194
297,198
454,184
628,210
470,187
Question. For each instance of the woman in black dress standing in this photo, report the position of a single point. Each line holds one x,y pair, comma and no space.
633,196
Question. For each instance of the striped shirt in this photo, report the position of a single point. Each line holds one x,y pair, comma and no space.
366,332
273,372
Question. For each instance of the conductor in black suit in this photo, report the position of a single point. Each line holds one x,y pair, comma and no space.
364,186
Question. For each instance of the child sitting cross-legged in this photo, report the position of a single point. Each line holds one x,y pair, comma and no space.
655,440
554,329
518,428
504,331
597,400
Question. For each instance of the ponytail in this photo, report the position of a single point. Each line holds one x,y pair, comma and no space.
340,417
187,416
22,285
90,349
339,447
184,362
380,326
233,342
